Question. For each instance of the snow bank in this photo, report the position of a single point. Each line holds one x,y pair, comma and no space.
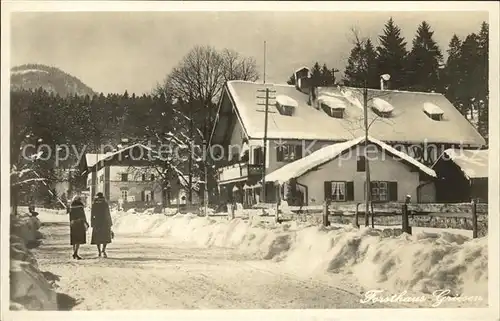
26,227
29,289
421,263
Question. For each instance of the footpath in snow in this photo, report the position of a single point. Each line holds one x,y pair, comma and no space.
411,265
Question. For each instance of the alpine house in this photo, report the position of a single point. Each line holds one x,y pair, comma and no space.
304,118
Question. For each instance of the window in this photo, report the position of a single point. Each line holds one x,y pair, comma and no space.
286,105
433,111
124,195
101,178
437,117
382,108
285,110
258,156
125,177
361,164
333,112
339,191
152,177
382,191
143,177
332,106
288,153
383,114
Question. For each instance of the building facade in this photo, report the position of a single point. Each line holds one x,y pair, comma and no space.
123,178
302,119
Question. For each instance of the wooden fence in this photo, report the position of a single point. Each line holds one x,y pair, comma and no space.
387,214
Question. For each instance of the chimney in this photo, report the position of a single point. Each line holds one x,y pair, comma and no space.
124,143
302,79
381,83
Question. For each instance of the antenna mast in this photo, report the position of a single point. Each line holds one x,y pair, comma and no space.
264,61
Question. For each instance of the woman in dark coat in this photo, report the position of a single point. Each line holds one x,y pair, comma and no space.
78,225
101,224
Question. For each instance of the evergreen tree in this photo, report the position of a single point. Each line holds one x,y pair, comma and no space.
453,74
361,67
354,74
483,89
372,75
316,75
326,76
424,61
470,62
392,55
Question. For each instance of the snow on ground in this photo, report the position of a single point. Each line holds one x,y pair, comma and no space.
29,289
147,272
419,264
185,262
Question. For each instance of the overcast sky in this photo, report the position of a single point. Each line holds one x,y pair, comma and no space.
118,51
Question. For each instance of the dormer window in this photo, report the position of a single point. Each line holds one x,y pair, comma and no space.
286,105
433,112
332,106
382,108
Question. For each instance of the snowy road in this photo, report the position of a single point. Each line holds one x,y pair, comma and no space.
152,273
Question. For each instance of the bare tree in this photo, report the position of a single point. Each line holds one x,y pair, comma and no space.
363,67
237,67
202,72
199,78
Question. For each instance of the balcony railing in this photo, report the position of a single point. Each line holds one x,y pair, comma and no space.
239,171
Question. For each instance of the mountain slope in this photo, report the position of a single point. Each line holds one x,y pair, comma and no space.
52,79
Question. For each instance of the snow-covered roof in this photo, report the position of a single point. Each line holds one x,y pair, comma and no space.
332,102
301,68
382,105
92,159
108,156
407,124
284,100
328,153
432,109
473,163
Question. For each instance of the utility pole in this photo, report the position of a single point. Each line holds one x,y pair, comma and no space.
367,167
264,149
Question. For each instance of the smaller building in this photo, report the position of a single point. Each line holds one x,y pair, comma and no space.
338,173
127,175
178,193
462,176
